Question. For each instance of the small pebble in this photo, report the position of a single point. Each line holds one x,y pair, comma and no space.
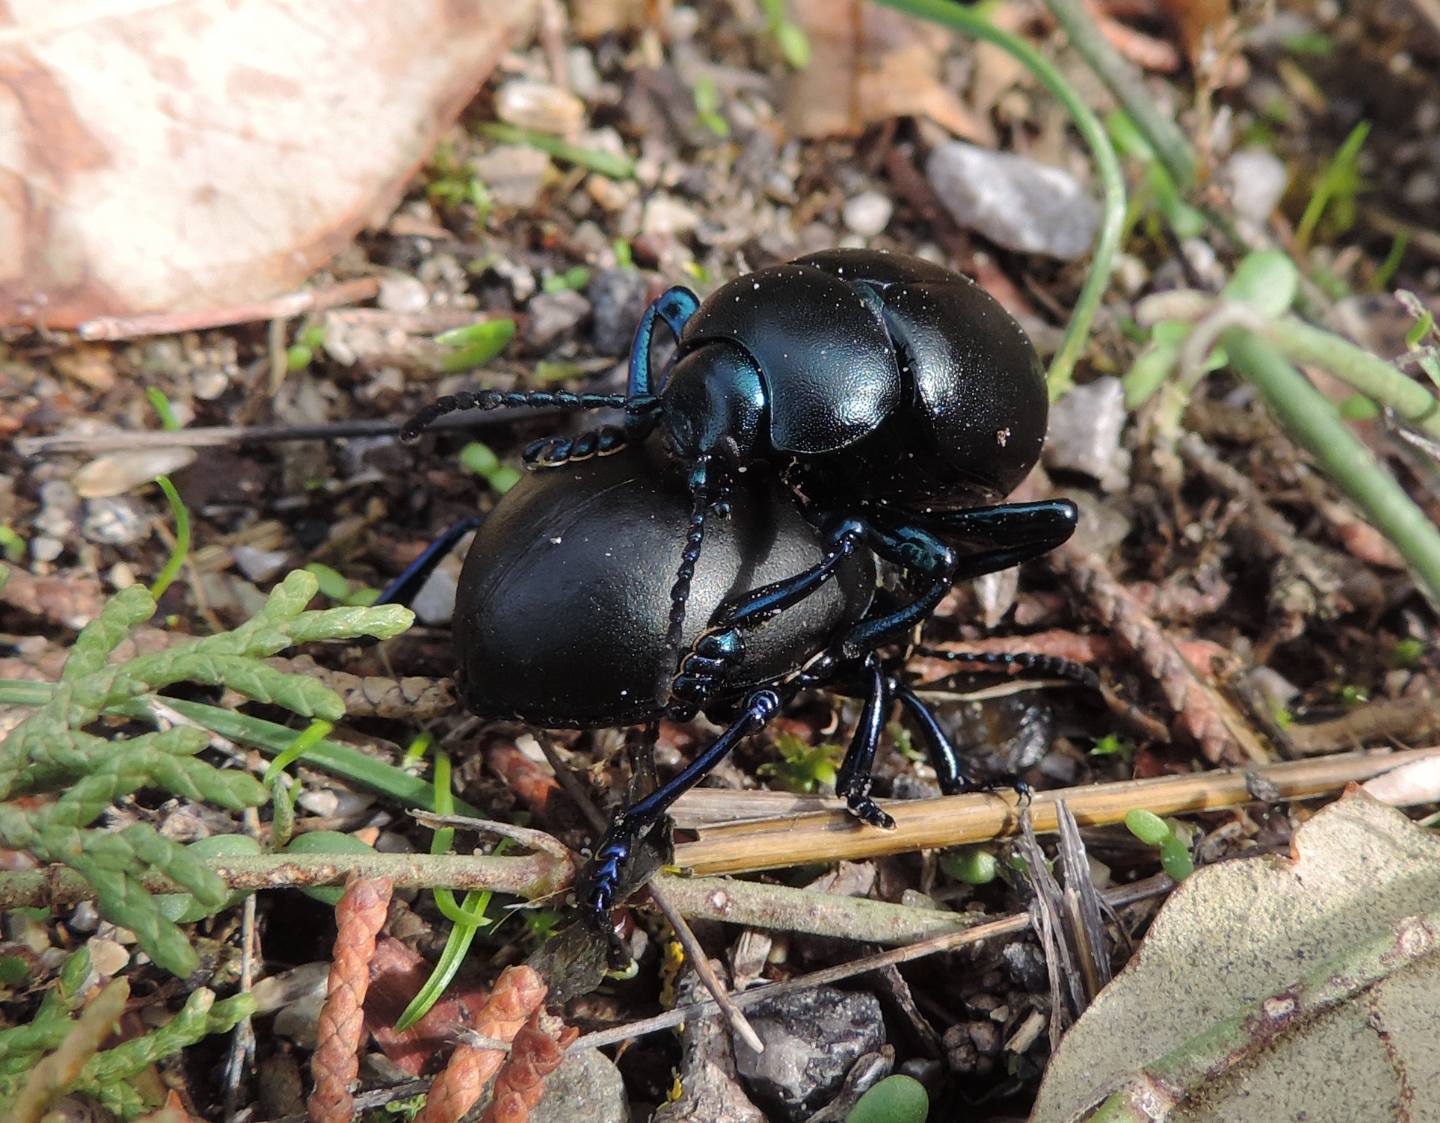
1085,428
1014,201
400,292
434,604
43,548
552,315
617,300
541,106
121,576
1256,179
867,214
665,214
210,384
513,174
258,565
114,521
107,958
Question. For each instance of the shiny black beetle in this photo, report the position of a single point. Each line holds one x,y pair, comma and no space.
893,394
561,613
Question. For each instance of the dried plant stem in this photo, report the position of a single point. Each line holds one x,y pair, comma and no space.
1006,926
956,820
1220,731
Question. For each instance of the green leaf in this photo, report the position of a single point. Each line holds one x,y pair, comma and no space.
1148,827
896,1099
182,908
1266,281
327,842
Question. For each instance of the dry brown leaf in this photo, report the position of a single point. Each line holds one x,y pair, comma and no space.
182,155
1199,22
869,64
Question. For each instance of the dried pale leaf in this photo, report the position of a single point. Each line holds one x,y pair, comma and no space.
1417,782
185,155
869,64
115,473
1275,987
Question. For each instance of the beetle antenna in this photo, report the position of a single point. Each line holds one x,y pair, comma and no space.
680,591
517,399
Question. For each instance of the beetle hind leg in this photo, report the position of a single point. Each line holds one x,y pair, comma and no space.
854,780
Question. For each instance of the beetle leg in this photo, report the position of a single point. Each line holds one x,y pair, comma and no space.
702,671
944,756
1011,533
854,780
551,452
597,886
674,307
402,590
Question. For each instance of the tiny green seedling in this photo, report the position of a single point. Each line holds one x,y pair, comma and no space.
1152,830
801,767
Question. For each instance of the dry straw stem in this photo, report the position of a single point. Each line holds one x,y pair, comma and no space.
956,820
50,1079
518,993
336,1063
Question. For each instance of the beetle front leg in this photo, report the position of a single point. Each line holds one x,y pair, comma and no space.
703,670
597,888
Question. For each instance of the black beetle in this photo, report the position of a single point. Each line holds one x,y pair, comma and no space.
561,612
892,393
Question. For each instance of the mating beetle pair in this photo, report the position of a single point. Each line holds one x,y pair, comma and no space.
846,408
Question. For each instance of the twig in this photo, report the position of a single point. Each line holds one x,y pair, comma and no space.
525,836
120,440
959,819
275,308
1007,926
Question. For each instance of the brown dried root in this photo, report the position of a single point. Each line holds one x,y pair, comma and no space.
518,993
1214,724
535,1053
336,1063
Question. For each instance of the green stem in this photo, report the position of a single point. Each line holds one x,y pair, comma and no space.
182,537
1314,424
1107,167
606,163
1372,376
1124,82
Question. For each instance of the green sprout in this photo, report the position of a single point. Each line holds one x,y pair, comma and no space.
1152,830
707,106
800,767
1336,189
475,344
480,460
790,38
340,589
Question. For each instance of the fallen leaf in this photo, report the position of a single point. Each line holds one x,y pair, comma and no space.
869,64
182,155
1299,987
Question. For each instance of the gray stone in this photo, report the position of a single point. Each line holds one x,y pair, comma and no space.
258,565
114,521
550,315
811,1040
617,299
513,174
867,214
1014,201
1256,180
1085,427
434,604
586,1087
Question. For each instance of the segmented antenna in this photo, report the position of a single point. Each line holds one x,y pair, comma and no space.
680,591
1035,661
516,399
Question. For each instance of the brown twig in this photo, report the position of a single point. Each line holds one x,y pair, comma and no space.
336,1063
517,996
275,308
1006,926
922,824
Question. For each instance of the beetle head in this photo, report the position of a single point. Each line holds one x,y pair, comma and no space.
713,404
